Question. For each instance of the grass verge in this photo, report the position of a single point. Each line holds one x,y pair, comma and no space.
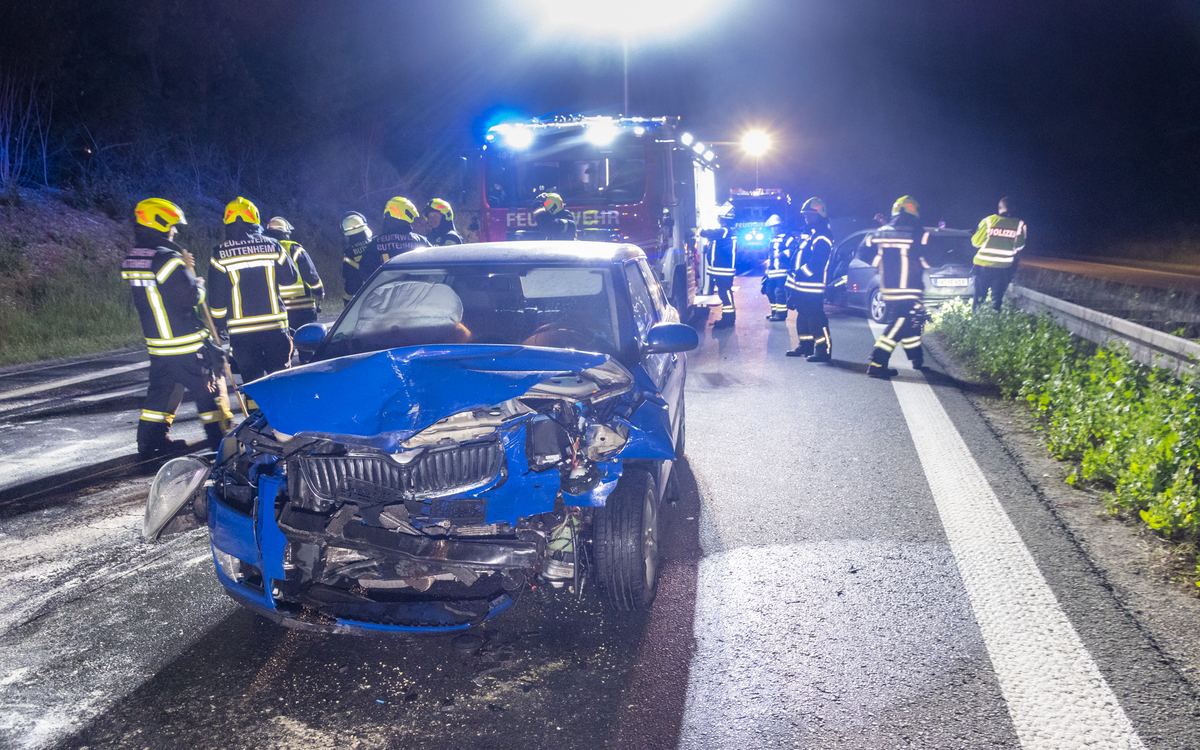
1131,431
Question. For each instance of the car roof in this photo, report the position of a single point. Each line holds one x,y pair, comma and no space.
933,233
564,253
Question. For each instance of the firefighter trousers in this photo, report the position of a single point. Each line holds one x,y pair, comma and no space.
905,331
775,290
723,285
170,376
812,324
261,353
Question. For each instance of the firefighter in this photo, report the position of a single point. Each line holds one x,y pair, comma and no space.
554,220
901,265
166,293
806,280
302,299
773,286
1000,237
440,217
247,272
357,238
721,259
395,236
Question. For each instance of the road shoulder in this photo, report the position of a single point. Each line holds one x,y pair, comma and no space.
1128,558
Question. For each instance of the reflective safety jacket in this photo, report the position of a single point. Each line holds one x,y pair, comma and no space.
386,246
352,277
244,282
899,259
559,226
999,238
165,295
722,250
308,289
779,259
810,262
445,234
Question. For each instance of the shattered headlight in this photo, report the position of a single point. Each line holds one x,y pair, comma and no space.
177,483
228,564
603,440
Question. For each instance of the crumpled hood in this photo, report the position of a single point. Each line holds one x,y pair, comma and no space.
402,391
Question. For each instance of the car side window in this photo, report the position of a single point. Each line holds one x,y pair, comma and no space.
656,291
641,299
866,253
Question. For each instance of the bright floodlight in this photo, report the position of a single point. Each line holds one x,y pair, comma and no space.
625,18
756,143
602,133
709,156
518,138
698,147
686,139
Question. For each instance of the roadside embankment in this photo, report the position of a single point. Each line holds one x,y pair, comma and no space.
61,293
1130,432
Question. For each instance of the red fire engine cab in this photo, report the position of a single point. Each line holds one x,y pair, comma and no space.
629,179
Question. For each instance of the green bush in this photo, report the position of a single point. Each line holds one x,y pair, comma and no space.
1132,430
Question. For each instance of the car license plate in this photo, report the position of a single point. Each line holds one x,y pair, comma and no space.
951,282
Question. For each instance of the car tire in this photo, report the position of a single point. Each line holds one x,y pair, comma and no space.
876,307
625,542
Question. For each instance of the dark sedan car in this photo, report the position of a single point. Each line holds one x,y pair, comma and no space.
948,254
480,420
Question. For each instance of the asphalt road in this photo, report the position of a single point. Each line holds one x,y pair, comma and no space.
854,564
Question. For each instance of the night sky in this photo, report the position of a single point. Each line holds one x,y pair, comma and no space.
1088,114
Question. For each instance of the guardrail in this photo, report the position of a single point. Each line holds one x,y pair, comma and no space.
1146,345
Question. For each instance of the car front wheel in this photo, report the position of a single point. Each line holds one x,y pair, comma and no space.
877,308
625,542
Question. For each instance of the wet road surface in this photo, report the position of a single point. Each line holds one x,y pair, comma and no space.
838,574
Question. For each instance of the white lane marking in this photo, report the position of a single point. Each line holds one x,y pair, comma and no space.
80,399
141,389
1056,696
19,392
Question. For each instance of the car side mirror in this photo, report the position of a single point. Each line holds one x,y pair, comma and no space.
308,337
670,337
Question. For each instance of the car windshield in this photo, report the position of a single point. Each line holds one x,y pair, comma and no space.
558,307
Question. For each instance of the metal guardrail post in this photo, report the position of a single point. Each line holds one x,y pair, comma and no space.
1146,345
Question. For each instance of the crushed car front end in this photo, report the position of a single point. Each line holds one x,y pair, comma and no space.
422,489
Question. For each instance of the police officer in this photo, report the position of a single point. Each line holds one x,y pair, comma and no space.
775,277
247,272
901,265
806,282
999,238
440,217
721,259
395,236
554,220
357,238
302,299
166,292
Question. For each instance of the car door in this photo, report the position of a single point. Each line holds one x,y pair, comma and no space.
861,275
650,307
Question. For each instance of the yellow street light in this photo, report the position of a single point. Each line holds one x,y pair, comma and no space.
756,144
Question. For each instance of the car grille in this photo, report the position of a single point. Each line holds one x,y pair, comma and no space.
436,472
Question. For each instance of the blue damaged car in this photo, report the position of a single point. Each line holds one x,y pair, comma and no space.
480,421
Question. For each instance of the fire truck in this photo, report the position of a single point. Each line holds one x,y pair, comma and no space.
628,179
751,209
